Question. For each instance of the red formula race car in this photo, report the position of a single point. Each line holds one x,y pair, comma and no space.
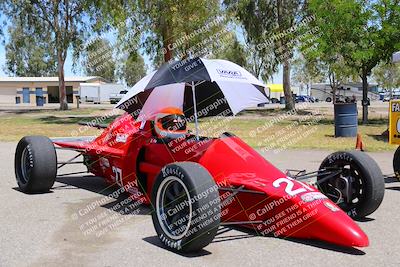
196,185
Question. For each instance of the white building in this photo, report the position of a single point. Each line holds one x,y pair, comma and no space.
37,91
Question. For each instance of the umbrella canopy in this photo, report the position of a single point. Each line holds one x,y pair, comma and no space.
200,87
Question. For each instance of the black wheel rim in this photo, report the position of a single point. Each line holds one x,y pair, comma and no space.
173,207
335,187
26,165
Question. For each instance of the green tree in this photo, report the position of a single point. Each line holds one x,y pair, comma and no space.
99,59
271,29
362,32
28,54
326,63
387,75
133,69
261,58
167,29
287,13
180,26
65,21
306,72
232,50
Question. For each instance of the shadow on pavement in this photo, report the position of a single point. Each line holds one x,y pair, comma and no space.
310,242
155,241
327,246
89,182
396,188
247,233
122,202
36,193
365,219
98,185
231,238
389,180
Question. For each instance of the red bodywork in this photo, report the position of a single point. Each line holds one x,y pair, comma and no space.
277,205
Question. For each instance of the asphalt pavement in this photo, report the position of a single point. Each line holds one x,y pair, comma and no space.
62,228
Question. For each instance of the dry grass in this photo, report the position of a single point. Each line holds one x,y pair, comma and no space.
303,131
290,135
14,128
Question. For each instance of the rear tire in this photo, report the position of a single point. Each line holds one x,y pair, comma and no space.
35,164
187,206
328,99
365,179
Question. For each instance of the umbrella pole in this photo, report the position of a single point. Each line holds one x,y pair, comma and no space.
195,111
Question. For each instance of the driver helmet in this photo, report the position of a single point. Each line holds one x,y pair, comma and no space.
170,123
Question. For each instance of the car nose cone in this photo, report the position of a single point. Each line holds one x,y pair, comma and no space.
336,228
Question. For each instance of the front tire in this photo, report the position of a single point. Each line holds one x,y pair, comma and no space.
359,188
186,205
35,164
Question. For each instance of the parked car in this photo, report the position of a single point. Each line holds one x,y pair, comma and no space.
302,98
274,100
115,98
263,104
388,98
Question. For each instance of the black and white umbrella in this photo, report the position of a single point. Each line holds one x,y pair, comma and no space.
200,87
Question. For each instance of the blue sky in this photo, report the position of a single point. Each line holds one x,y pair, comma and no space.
277,77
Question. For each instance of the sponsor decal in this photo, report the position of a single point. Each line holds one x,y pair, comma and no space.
230,73
331,206
121,138
394,122
311,196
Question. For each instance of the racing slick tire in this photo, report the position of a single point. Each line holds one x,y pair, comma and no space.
396,163
186,205
35,164
361,183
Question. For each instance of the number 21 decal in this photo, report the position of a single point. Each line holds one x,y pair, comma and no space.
289,186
